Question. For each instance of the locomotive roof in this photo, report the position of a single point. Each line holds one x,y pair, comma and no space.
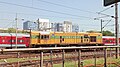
44,32
14,34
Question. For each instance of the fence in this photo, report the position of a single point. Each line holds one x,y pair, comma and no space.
42,50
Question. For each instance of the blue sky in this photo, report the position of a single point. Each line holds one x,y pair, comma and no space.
80,12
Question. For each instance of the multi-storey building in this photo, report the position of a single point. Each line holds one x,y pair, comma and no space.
44,25
30,25
67,27
58,27
75,28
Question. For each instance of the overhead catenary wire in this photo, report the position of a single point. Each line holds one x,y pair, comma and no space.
67,6
100,12
38,15
45,10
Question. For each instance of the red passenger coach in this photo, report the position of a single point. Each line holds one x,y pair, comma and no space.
8,40
109,40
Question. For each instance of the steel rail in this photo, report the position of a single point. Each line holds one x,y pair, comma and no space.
55,48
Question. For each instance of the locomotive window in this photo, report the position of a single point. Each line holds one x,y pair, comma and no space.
42,36
81,37
47,36
92,38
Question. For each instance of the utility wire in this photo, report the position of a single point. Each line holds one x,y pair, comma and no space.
37,15
106,9
67,6
100,12
44,10
106,24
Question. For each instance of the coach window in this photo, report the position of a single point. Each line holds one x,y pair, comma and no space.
14,40
107,41
3,41
10,41
110,41
20,41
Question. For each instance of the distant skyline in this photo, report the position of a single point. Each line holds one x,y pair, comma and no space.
80,12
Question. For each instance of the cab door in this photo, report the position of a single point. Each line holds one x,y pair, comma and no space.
61,39
39,38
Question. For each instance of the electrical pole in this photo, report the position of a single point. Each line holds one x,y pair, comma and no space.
116,28
38,24
16,30
101,26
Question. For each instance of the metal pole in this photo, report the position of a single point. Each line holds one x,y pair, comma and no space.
79,58
95,57
30,39
110,56
105,57
38,24
18,58
116,28
16,30
51,58
101,25
41,59
63,58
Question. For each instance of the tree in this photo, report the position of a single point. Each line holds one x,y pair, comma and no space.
91,31
108,33
11,30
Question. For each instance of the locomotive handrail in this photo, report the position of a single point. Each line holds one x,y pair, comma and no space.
55,48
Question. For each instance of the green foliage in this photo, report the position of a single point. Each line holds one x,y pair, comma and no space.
107,33
91,31
11,30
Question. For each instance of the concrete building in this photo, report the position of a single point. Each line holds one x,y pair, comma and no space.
67,27
75,28
58,27
44,25
30,25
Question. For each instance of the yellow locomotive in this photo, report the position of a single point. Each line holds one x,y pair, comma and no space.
38,38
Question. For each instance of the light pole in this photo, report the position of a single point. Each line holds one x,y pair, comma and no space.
101,26
116,28
16,31
16,19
